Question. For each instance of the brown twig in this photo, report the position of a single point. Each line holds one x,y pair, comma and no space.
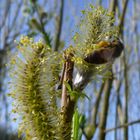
104,111
118,113
94,115
6,12
43,31
113,6
59,27
96,105
122,126
108,87
121,25
67,102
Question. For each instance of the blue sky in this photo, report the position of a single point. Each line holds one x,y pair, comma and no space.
72,13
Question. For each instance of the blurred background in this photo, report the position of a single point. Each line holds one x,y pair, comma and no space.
114,104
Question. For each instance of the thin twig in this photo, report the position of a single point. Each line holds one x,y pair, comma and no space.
104,111
121,25
122,126
105,105
6,12
59,27
45,34
94,114
96,105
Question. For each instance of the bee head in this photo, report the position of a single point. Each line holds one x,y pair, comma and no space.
117,44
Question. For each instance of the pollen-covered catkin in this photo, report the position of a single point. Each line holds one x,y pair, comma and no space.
34,72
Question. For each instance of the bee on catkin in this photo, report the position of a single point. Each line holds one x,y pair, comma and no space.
108,51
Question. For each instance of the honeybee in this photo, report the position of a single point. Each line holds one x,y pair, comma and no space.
109,50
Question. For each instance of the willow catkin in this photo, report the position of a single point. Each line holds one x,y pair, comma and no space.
32,86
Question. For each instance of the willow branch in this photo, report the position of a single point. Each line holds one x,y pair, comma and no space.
6,12
113,6
96,105
118,106
104,111
136,35
59,27
121,25
94,114
44,33
105,105
67,102
122,126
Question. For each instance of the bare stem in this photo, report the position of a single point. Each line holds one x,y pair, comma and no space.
104,112
122,126
59,27
67,102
